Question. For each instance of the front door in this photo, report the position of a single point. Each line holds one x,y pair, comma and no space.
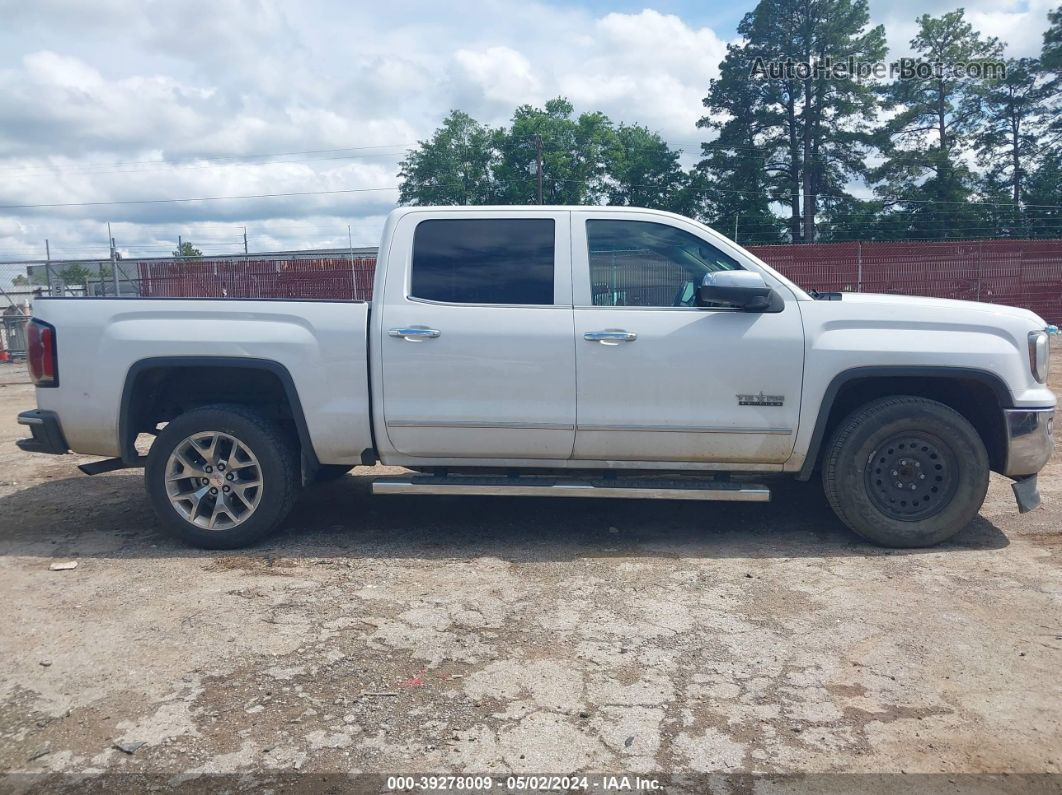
477,348
661,379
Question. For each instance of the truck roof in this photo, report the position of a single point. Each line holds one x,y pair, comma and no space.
529,208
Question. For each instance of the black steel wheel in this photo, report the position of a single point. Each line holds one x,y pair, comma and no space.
905,471
912,476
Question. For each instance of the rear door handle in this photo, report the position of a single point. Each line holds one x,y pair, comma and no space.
415,334
610,336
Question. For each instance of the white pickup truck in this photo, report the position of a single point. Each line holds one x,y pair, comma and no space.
554,351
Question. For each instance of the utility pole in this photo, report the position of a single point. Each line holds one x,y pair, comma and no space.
114,260
180,246
245,242
735,227
538,165
48,264
353,270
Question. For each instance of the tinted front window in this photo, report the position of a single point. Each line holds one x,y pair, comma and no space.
640,263
484,261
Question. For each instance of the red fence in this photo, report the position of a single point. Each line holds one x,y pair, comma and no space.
1026,273
261,277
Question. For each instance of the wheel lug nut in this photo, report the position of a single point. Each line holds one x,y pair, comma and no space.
205,481
208,468
229,476
213,491
921,477
226,489
899,485
918,464
913,487
894,473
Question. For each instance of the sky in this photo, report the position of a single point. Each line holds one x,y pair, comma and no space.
105,101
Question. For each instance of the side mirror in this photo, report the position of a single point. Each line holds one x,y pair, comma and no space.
743,289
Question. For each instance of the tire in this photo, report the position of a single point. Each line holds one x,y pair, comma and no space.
884,448
260,451
326,473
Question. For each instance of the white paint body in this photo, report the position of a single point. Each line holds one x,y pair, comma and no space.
512,386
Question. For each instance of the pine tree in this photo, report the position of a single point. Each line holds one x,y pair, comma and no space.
924,177
812,128
739,181
1014,115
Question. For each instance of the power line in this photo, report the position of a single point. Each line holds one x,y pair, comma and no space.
192,199
163,166
339,191
244,157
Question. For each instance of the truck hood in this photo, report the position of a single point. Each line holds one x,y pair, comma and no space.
919,307
867,330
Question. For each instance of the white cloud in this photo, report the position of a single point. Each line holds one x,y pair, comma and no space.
500,74
122,99
1018,23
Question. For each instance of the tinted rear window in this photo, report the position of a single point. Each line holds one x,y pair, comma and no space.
484,261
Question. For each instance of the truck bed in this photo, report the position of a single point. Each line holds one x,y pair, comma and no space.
321,345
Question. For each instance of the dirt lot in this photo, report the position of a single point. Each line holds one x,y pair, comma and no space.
491,635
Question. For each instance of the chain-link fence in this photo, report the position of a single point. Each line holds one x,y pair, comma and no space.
1025,273
345,275
16,301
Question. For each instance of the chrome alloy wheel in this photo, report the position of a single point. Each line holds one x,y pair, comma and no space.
213,480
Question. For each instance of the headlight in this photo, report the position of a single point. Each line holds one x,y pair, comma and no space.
1039,354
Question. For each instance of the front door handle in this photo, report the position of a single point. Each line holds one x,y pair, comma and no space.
415,334
610,336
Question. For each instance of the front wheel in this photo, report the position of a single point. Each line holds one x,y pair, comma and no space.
906,472
221,477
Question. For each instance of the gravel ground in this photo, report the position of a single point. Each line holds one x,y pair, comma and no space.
430,634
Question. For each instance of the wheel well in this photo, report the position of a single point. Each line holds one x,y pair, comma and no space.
973,398
156,393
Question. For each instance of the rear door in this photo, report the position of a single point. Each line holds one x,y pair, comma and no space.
661,378
477,342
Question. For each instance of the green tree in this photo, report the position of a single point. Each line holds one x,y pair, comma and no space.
1051,58
455,166
934,122
643,171
586,159
79,274
1051,64
1007,142
739,173
1043,197
575,152
186,249
809,130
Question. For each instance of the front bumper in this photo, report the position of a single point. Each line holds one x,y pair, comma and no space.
1030,440
47,433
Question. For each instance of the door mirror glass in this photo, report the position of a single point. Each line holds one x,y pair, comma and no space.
742,289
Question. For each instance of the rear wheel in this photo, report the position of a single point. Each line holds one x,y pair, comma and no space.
906,472
221,477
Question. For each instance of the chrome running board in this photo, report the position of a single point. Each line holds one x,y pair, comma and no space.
537,486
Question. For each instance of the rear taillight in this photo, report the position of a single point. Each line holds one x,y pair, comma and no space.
40,353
